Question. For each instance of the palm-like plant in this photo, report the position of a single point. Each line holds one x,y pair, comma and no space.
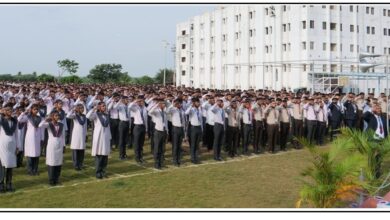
372,149
332,178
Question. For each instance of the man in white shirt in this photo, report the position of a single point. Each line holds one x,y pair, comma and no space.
219,128
209,131
123,127
247,119
157,112
114,119
138,110
311,117
178,129
233,128
195,128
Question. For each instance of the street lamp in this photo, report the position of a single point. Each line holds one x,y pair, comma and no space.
166,44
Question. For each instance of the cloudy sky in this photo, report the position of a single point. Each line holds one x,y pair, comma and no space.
33,38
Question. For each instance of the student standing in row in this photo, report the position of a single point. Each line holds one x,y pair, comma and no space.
196,128
8,148
101,138
55,146
79,133
178,129
159,116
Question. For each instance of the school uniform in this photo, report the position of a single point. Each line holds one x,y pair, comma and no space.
8,146
54,153
101,145
272,121
247,117
209,129
311,118
297,122
140,129
259,128
32,142
78,138
160,134
178,132
21,135
322,122
284,127
196,128
123,129
219,130
232,131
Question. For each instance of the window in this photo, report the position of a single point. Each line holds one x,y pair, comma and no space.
372,49
236,18
183,59
236,34
367,10
266,49
250,15
250,33
333,26
388,32
324,68
351,28
224,20
323,46
304,68
324,25
289,46
303,24
331,7
333,47
341,47
341,27
357,28
224,37
368,49
183,32
385,50
266,11
385,31
351,8
372,30
284,46
289,26
311,24
183,46
183,73
304,45
284,68
384,12
368,30
266,30
372,11
388,13
333,68
284,8
284,27
351,48
323,6
311,45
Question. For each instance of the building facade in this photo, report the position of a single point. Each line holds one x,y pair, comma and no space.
283,46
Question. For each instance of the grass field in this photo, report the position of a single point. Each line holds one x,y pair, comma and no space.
257,181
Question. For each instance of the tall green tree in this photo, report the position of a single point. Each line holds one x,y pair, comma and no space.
159,78
107,73
144,80
68,66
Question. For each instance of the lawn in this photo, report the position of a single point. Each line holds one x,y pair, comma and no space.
257,181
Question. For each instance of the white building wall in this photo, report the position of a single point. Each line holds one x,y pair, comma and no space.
230,45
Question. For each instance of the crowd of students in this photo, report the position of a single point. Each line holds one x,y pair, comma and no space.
41,119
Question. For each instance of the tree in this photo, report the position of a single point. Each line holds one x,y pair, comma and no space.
107,73
45,78
71,79
144,80
169,74
69,66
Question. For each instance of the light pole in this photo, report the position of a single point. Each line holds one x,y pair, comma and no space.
166,44
173,50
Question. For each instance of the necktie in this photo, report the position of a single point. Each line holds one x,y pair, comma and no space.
249,116
181,117
380,125
223,116
127,112
163,118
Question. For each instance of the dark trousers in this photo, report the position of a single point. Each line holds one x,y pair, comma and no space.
170,131
258,136
245,138
272,130
204,136
78,158
219,131
138,143
297,131
5,177
101,162
334,128
151,133
131,136
159,142
311,130
284,131
123,135
54,173
359,120
321,128
69,124
114,123
232,137
19,159
195,137
209,130
32,165
177,139
350,123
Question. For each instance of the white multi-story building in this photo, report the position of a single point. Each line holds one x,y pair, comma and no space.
282,46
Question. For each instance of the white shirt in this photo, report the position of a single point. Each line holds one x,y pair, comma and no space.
113,110
310,112
159,118
123,112
139,113
246,115
177,116
219,114
195,116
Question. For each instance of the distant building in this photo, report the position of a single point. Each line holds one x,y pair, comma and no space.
279,46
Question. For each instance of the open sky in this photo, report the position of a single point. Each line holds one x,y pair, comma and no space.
35,37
